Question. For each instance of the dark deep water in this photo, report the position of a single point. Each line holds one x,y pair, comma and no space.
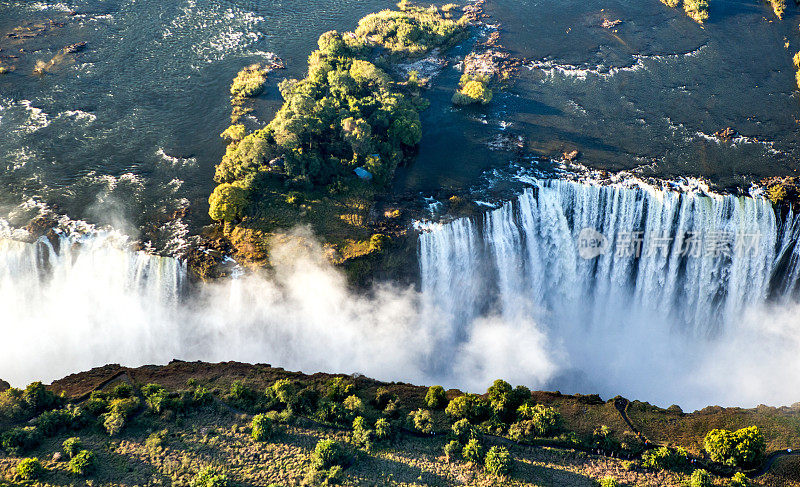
128,130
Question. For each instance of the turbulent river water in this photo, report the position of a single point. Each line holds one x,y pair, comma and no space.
126,132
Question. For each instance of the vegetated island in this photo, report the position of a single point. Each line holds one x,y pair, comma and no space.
233,424
334,145
697,10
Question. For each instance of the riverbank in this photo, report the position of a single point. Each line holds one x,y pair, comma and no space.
203,420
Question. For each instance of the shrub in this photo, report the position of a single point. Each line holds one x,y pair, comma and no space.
696,9
97,403
354,404
776,193
332,412
462,431
227,202
82,464
423,421
498,461
122,390
700,478
362,434
609,482
72,446
435,398
539,420
744,447
383,397
249,82
262,428
209,477
338,389
666,459
452,450
738,480
29,469
778,6
468,406
38,399
472,89
53,422
473,451
329,453
383,429
286,391
19,440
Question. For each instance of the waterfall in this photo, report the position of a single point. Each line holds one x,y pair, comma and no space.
78,299
637,290
694,261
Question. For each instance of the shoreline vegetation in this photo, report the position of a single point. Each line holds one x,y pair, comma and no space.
697,10
231,424
332,148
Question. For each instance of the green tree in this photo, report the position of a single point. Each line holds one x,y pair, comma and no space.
498,461
328,454
261,428
227,203
744,447
436,398
29,469
473,451
82,464
700,478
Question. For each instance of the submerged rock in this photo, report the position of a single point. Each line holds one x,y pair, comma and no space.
74,48
726,134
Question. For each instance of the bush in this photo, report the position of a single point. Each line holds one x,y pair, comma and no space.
262,428
286,391
122,390
744,447
362,434
338,389
538,421
609,482
452,450
423,421
738,480
468,406
17,441
82,464
332,412
249,82
38,399
462,431
383,397
472,89
498,461
435,398
383,429
700,478
72,446
227,203
696,9
29,469
473,451
328,454
354,404
209,477
666,459
53,422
